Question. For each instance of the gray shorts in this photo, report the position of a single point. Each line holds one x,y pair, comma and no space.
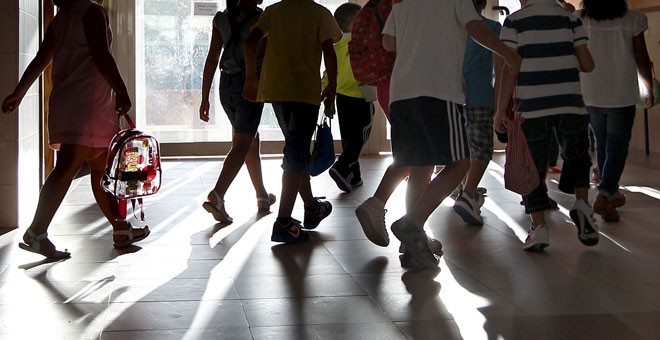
244,115
427,131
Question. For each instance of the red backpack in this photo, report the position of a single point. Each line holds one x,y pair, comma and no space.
371,63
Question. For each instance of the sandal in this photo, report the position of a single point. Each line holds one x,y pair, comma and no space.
218,209
131,237
264,203
34,246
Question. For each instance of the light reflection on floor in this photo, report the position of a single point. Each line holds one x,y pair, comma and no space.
196,279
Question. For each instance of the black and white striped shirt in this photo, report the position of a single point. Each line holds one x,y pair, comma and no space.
545,36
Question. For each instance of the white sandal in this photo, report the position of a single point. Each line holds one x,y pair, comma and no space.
131,238
264,203
34,246
218,210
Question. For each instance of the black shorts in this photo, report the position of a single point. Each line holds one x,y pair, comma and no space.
427,131
244,115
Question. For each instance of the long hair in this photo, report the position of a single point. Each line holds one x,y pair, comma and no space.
233,13
604,9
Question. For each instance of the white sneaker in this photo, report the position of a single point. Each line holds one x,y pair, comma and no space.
371,215
538,238
468,208
583,217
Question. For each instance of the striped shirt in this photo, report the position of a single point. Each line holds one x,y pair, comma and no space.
545,36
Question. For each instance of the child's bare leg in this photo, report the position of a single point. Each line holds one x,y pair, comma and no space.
474,175
253,164
291,182
417,182
69,160
437,190
232,165
390,181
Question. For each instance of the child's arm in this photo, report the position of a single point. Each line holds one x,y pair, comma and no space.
96,25
504,83
499,65
585,60
212,59
330,61
37,65
644,66
251,81
389,43
484,36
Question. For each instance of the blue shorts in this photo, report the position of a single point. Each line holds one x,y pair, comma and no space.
298,122
427,131
244,115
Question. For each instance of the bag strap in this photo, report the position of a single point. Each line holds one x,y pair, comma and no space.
129,120
139,202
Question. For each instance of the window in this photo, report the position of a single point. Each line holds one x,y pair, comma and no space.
171,47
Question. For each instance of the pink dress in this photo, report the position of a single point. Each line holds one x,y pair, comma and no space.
81,105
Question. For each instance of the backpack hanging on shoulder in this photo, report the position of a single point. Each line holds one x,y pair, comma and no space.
370,62
133,167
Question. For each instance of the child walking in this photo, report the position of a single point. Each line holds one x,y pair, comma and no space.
479,108
354,112
616,39
553,45
88,94
298,32
230,29
426,104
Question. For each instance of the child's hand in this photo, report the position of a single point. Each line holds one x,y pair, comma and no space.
204,110
648,101
250,88
498,122
11,103
122,103
328,95
567,6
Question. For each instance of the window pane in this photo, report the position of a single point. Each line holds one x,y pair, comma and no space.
172,43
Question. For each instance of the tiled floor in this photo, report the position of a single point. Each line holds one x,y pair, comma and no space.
195,279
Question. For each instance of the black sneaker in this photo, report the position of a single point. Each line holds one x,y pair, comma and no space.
341,178
355,180
314,215
291,232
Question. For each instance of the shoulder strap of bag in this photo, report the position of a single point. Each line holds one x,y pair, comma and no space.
129,120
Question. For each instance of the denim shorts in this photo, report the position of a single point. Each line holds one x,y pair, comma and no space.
244,115
297,121
573,139
427,131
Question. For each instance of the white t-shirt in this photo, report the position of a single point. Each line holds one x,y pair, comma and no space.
430,43
613,82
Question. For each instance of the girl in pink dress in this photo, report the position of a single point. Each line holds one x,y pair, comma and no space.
88,93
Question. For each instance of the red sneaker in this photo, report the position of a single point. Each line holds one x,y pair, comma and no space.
603,207
618,200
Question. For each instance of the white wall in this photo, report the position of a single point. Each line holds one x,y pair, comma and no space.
19,132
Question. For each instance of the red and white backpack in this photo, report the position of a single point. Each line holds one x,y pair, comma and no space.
133,166
370,62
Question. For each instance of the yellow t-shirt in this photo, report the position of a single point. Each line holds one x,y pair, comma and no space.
346,83
291,69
